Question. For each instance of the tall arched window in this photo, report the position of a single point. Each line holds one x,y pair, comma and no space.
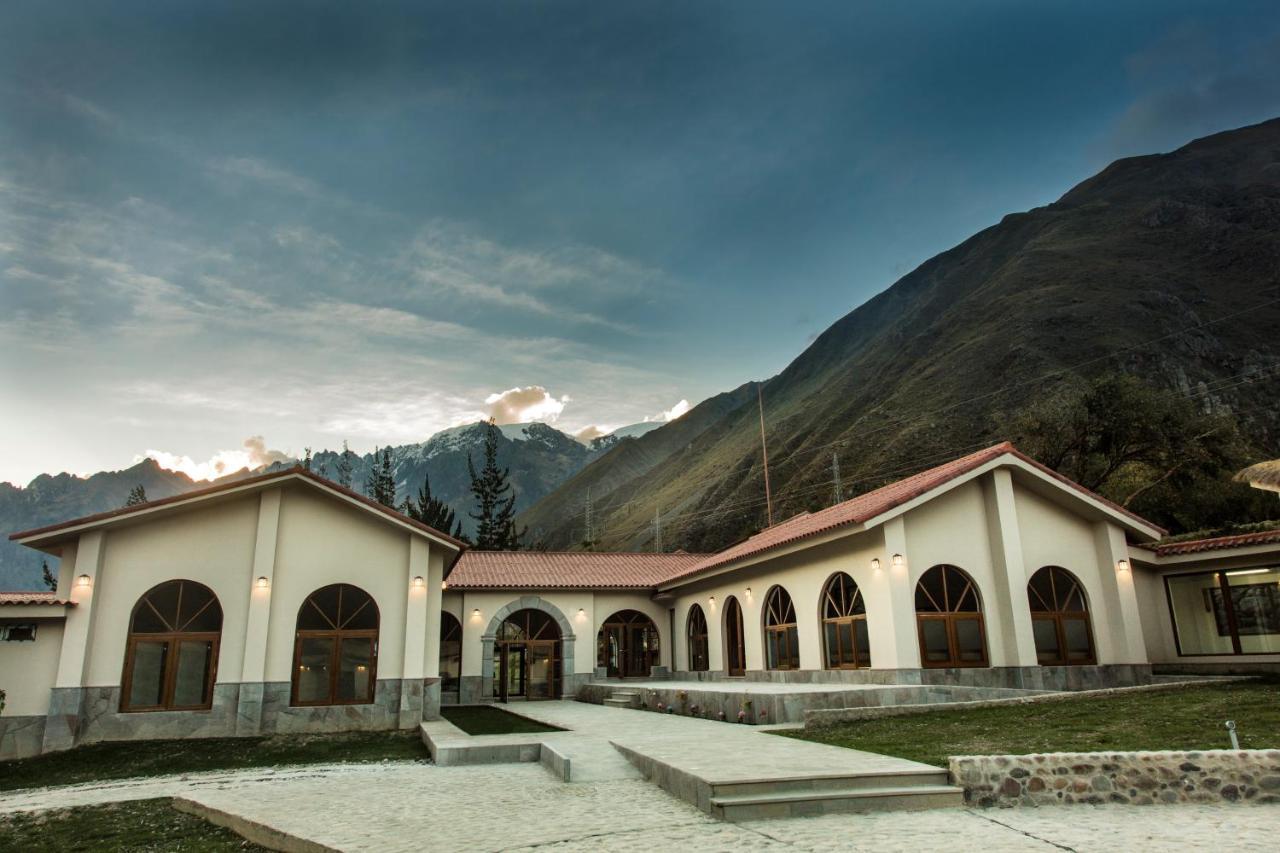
781,640
528,657
450,652
735,644
627,645
696,631
844,624
335,653
949,617
1059,618
172,652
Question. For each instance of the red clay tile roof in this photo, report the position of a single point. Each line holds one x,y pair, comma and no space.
1217,543
866,507
34,598
297,471
566,569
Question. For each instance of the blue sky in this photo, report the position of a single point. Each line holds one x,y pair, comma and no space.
311,222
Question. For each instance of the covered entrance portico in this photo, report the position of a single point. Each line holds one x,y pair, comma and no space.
527,657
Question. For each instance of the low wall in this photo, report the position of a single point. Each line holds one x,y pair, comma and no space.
1016,677
817,718
1136,778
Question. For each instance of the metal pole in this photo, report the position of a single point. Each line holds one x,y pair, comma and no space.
764,453
1231,730
835,475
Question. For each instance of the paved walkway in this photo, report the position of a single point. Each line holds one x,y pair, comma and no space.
403,806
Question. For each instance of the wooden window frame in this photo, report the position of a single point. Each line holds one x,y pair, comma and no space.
1060,617
336,635
173,640
698,641
776,607
737,630
847,607
950,617
625,628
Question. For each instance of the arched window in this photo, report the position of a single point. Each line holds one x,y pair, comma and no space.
450,652
172,653
335,653
781,641
844,624
949,617
1059,618
627,645
697,636
527,660
735,644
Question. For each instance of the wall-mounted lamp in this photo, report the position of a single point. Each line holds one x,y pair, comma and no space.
711,598
418,582
1122,565
475,612
262,582
875,564
748,590
897,561
84,581
444,584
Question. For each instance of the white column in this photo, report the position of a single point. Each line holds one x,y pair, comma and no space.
73,660
1012,613
903,649
418,612
254,667
1120,616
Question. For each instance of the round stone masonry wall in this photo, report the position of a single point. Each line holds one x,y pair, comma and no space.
1135,778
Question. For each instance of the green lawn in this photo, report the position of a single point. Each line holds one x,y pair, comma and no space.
488,720
133,826
102,761
1189,718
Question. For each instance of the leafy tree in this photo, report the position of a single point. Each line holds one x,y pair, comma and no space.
381,482
138,495
306,458
432,511
1149,449
344,466
495,500
49,579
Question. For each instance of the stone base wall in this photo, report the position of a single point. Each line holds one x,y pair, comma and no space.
1240,667
92,714
1016,677
1137,778
21,737
478,690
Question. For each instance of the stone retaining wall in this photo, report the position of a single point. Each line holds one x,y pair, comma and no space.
1135,778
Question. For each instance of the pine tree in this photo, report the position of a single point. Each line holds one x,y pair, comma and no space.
495,520
138,495
306,459
381,482
47,576
432,511
344,466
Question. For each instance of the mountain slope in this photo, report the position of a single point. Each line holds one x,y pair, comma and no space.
1132,270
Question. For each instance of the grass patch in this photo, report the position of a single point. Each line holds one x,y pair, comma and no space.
488,720
104,761
134,826
1190,718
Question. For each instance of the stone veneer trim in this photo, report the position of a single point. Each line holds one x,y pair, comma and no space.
490,636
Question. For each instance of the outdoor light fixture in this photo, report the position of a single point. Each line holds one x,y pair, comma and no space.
84,581
418,582
748,590
444,584
1122,565
262,582
875,564
712,599
582,611
475,612
1247,572
897,561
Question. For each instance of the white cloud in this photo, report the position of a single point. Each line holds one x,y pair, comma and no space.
253,455
590,432
521,405
670,414
262,172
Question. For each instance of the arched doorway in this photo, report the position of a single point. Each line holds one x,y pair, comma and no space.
1059,618
844,624
627,645
949,617
527,661
781,636
699,659
450,652
735,644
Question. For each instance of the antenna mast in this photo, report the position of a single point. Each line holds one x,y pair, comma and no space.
835,474
764,453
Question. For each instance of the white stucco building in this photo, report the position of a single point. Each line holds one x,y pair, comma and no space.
287,603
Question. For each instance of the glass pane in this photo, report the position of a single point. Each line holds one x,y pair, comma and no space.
207,620
191,683
846,644
1079,648
450,664
312,618
863,642
355,670
164,599
934,636
145,620
146,688
1040,592
771,649
1199,615
540,672
792,648
313,669
969,641
1255,594
359,613
194,599
1046,635
829,632
929,595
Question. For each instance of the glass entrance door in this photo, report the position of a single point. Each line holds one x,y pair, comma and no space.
528,671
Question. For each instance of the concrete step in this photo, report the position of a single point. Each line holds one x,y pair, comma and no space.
616,703
625,694
833,782
740,807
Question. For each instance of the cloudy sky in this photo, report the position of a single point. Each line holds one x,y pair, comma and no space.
337,221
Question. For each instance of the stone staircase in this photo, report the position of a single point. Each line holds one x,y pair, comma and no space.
828,794
622,699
